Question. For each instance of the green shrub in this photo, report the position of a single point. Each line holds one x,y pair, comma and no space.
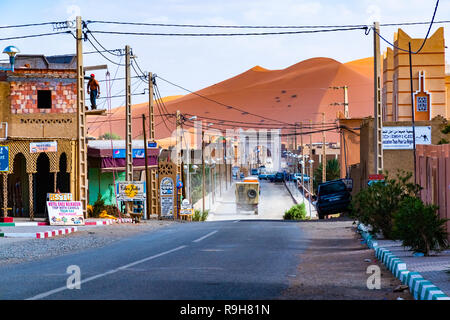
98,207
376,205
200,216
419,226
296,212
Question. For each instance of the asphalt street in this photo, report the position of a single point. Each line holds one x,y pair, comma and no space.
209,260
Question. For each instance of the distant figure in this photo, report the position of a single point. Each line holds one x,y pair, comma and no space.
93,88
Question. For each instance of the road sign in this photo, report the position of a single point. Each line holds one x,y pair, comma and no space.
4,158
130,190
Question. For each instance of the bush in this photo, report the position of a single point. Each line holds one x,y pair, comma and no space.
112,210
98,206
419,226
376,205
297,212
200,216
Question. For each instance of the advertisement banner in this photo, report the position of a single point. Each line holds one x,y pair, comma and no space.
401,138
121,153
65,213
4,158
38,147
131,190
167,191
59,197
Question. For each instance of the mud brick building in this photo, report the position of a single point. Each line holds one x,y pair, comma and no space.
38,132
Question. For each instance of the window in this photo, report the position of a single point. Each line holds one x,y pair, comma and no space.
44,99
422,104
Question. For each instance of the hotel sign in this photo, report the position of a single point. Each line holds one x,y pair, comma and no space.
38,147
401,138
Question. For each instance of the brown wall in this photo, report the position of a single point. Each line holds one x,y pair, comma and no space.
433,174
394,159
350,144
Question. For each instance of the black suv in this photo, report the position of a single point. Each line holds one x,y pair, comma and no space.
278,177
332,197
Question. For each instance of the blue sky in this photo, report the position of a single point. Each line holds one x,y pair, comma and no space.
196,63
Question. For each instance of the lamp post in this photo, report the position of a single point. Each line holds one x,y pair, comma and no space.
311,162
11,51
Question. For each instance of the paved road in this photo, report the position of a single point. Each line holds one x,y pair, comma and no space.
274,201
209,260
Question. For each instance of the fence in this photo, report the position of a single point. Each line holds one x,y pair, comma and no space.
433,174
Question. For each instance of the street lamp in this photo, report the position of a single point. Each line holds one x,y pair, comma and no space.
11,51
311,162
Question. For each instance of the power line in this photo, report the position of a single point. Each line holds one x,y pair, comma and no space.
424,40
256,26
32,24
222,104
226,34
36,35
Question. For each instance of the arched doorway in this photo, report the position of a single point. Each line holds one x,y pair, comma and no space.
43,184
63,177
18,188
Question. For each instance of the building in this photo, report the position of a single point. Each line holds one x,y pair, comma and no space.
106,163
431,85
39,118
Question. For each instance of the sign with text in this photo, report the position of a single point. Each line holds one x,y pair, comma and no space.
38,147
401,138
65,213
131,190
4,158
59,197
167,191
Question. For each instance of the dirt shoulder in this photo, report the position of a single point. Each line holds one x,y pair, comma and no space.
16,250
334,266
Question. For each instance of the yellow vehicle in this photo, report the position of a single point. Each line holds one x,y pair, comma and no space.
247,195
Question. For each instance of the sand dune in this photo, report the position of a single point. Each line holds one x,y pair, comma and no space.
295,94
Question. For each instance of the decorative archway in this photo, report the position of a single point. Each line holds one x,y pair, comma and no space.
63,177
43,183
18,188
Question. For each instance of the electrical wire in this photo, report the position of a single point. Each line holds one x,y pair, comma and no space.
105,57
36,35
424,40
226,34
222,104
32,24
255,26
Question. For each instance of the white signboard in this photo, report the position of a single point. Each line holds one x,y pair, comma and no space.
401,138
130,191
65,213
37,147
167,191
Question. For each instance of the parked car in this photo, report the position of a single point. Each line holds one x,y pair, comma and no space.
254,172
262,176
332,197
298,176
278,177
242,175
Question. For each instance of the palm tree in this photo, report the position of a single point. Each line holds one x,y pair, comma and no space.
333,172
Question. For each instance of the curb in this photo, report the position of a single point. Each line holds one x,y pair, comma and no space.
419,287
23,224
39,235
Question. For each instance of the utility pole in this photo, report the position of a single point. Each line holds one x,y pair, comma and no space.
178,160
345,104
303,162
203,171
413,112
153,184
295,137
310,158
128,136
81,192
324,151
378,112
147,173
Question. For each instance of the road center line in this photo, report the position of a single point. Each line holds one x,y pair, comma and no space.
49,293
206,236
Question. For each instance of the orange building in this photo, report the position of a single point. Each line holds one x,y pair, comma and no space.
431,86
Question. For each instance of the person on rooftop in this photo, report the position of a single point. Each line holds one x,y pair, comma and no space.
93,88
